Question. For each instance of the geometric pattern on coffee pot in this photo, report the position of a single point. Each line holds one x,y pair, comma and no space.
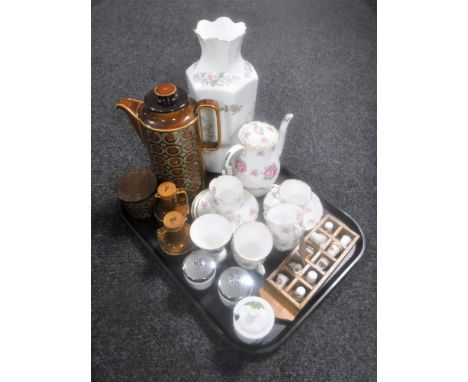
176,156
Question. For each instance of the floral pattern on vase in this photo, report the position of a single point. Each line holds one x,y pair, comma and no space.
215,79
222,73
233,109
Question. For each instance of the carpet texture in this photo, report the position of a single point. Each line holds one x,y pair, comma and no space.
316,59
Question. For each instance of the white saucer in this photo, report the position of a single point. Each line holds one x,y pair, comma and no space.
203,204
313,212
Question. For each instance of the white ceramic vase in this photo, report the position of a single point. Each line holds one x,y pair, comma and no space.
223,75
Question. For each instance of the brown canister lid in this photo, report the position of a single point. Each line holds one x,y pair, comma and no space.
173,220
166,190
136,185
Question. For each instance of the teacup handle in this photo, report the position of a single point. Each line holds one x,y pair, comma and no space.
275,191
260,269
232,152
298,229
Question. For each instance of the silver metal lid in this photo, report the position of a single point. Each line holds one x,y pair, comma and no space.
235,283
198,266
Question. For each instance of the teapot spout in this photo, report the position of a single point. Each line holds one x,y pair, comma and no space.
131,106
282,134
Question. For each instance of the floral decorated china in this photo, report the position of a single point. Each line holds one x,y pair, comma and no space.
249,208
255,161
313,210
223,74
251,243
285,223
212,232
226,192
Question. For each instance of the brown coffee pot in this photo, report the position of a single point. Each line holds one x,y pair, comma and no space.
168,123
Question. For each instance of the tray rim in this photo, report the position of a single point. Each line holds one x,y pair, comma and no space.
296,323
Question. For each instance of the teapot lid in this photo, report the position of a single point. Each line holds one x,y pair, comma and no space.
258,135
166,98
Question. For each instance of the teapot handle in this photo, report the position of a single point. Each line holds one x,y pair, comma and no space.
227,167
210,104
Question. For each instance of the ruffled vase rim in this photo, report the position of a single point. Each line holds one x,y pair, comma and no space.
222,29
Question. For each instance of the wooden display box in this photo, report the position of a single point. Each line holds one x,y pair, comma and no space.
284,304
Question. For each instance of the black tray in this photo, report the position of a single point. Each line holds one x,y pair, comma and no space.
208,302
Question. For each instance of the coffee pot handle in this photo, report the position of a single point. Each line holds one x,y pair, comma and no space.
209,104
227,166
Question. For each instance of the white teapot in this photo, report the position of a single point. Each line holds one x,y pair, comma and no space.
256,160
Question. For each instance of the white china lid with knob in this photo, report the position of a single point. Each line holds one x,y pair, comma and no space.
258,135
253,318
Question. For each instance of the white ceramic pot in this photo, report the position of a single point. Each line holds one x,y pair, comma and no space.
223,75
253,319
251,244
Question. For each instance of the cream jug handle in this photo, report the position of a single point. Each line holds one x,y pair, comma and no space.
227,167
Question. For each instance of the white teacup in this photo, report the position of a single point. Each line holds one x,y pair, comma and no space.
285,223
251,244
212,232
293,191
226,192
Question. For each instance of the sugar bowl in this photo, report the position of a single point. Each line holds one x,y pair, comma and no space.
253,319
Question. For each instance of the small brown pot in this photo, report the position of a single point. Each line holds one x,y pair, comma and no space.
135,189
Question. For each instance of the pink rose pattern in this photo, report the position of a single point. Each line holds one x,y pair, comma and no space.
241,166
270,172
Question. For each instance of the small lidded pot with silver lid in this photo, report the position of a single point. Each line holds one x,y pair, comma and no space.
234,284
199,270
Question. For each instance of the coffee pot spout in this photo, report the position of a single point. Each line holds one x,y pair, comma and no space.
282,134
131,106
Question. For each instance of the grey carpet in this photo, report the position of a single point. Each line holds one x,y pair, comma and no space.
316,59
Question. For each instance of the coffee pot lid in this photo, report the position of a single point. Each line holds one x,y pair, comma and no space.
235,283
258,135
166,98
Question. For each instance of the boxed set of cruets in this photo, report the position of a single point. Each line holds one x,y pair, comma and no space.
212,165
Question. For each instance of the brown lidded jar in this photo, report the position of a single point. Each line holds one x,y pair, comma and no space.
135,189
174,236
168,123
170,198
